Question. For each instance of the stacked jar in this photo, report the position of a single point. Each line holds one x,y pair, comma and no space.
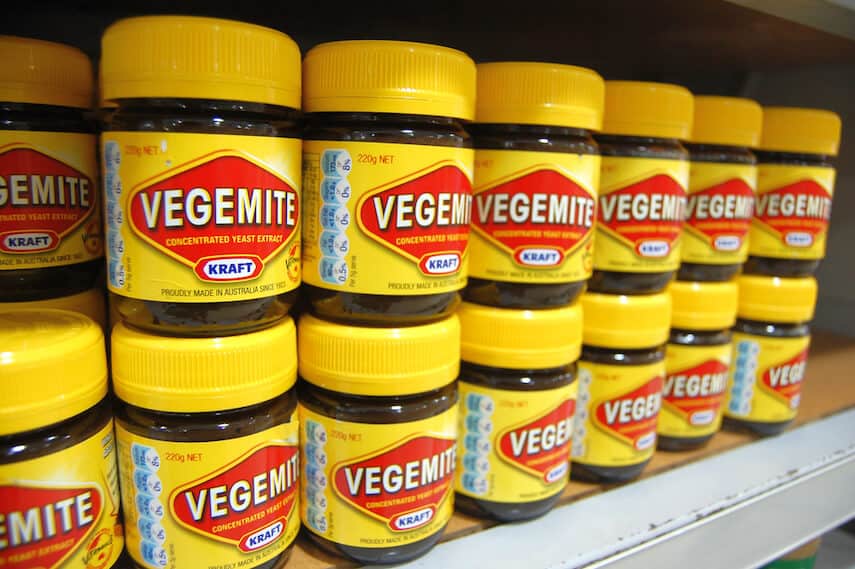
537,171
642,201
387,173
201,165
51,243
722,182
787,241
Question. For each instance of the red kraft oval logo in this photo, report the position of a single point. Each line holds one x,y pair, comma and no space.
696,393
632,417
41,200
223,215
721,214
784,380
424,219
42,526
541,447
797,213
539,217
246,503
648,216
404,486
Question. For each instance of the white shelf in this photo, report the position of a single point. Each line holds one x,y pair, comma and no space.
737,509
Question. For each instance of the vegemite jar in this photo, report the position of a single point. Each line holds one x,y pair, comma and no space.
621,376
537,170
770,349
51,242
795,184
201,170
208,454
722,182
59,484
697,362
643,181
387,176
378,420
517,400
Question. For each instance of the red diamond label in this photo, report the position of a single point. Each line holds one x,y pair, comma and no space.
784,380
247,503
42,526
223,215
632,417
424,218
403,486
541,447
539,217
41,200
721,214
647,216
696,393
797,213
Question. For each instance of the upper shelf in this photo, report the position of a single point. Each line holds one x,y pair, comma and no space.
620,38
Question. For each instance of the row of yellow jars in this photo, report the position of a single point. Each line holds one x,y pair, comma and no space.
160,134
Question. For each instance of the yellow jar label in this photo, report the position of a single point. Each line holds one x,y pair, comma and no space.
617,409
718,213
534,215
50,211
765,382
62,510
640,217
209,505
792,212
385,218
369,485
693,393
514,446
201,217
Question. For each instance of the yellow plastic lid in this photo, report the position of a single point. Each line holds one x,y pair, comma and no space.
539,93
389,77
44,73
89,303
362,360
635,108
625,322
729,121
520,339
199,58
703,306
198,375
776,299
52,367
793,129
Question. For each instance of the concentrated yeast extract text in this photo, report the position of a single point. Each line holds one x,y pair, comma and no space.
50,213
517,404
795,183
208,447
59,485
406,208
378,439
201,167
643,181
536,172
388,179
